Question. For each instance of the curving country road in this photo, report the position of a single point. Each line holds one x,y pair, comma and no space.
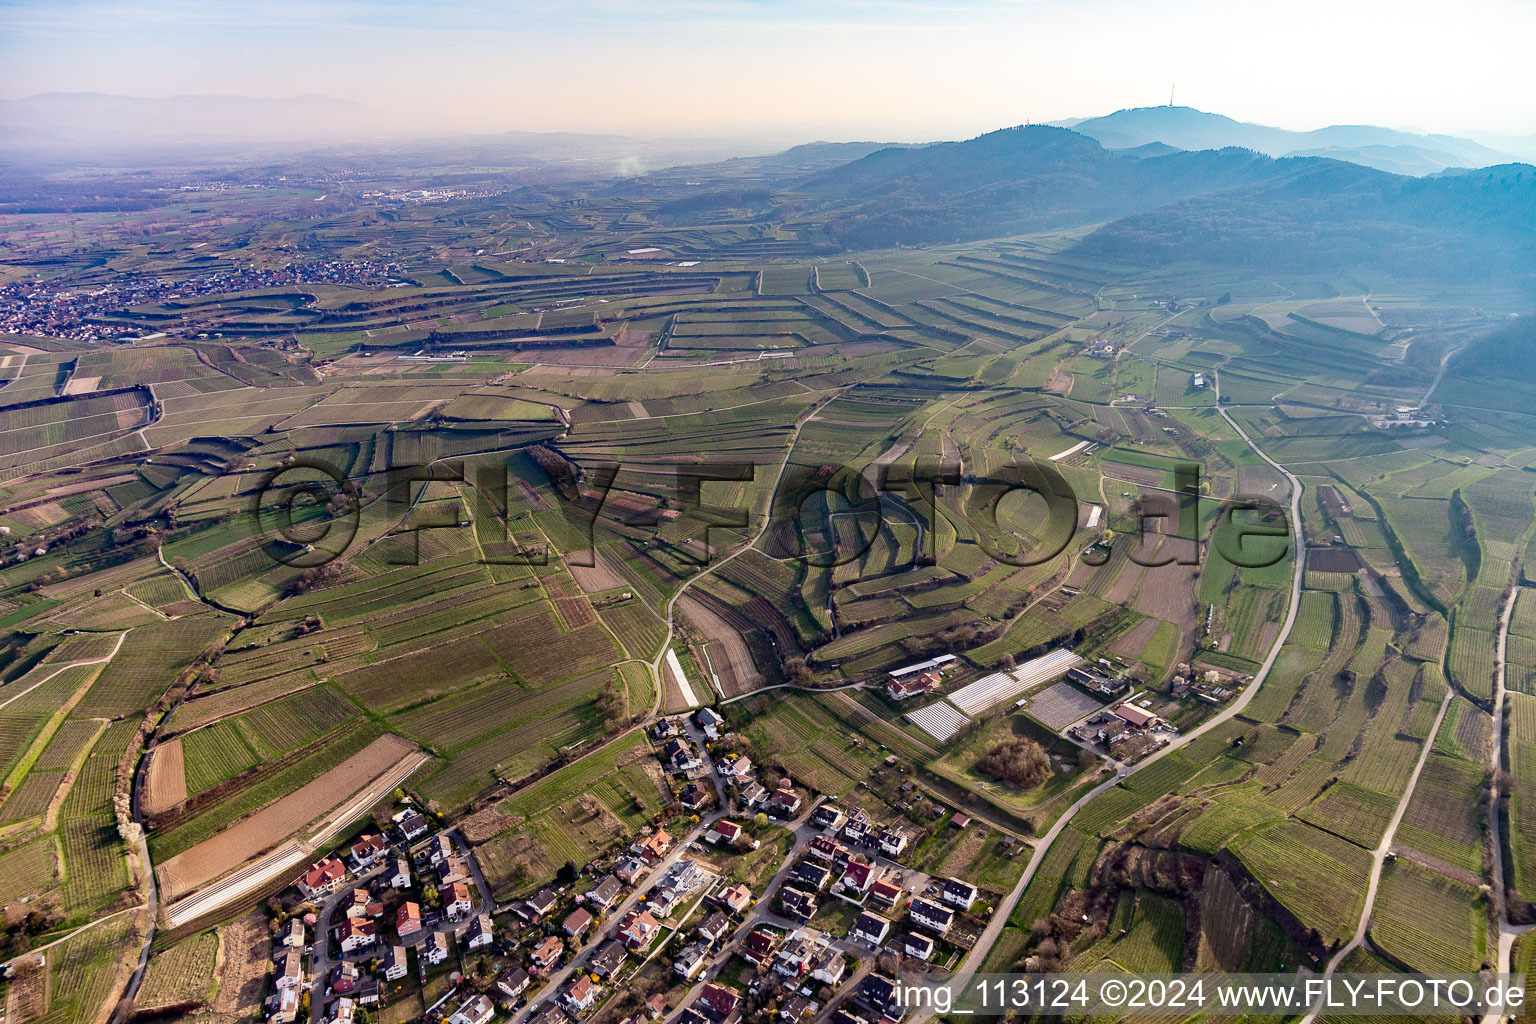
794,438
1507,932
978,954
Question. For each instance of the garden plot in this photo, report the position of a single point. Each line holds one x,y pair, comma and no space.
1059,706
938,720
992,690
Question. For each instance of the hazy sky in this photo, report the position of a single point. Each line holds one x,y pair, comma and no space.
864,69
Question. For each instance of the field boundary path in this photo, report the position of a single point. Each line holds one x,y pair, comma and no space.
989,935
69,665
1379,855
671,616
1505,931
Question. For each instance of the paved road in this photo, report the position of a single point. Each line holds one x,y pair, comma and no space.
670,617
1379,855
599,936
1507,932
762,914
978,954
322,963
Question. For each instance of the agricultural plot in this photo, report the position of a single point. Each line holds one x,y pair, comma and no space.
1059,706
1352,813
1145,936
148,662
181,974
1443,818
1412,896
1318,877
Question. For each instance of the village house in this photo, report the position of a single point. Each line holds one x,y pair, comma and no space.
343,1011
608,958
796,1009
287,1005
439,849
392,963
652,847
919,947
580,994
759,946
638,929
723,830
859,826
456,901
679,755
474,1011
709,721
480,932
291,972
914,684
322,878
827,849
796,903
693,796
857,879
869,928
793,957
399,876
720,1004
930,915
348,979
511,984
452,869
436,949
737,769
811,875
290,936
829,817
885,892
751,794
690,961
547,953
894,840
785,802
367,850
880,994
714,926
576,923
355,934
828,965
408,921
414,826
360,903
735,898
958,894
535,908
605,893
630,870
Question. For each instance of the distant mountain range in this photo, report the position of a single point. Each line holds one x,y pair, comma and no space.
1232,206
1386,149
144,130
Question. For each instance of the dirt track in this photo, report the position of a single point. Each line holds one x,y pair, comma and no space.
280,819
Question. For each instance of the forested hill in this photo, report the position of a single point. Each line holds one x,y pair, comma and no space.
1012,181
1328,216
1229,205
